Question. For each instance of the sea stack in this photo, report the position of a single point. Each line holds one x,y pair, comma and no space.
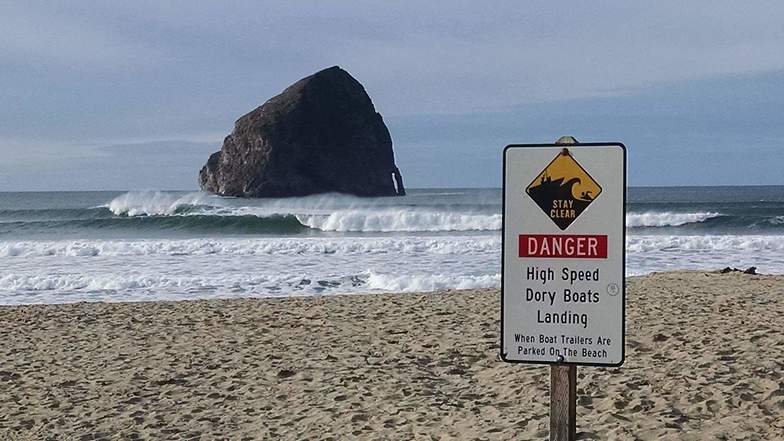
322,134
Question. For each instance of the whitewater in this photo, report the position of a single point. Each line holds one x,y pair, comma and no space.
155,245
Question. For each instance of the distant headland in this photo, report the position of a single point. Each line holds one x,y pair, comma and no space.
322,134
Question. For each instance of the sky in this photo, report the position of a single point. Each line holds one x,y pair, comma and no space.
105,95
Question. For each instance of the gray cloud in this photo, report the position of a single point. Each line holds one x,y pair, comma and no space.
76,75
41,35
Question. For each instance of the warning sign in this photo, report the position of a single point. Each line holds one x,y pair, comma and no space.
562,283
563,190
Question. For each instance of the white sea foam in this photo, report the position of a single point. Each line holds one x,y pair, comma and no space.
344,213
355,245
129,270
257,246
158,203
667,218
67,288
154,203
430,282
157,285
715,245
389,220
645,254
85,282
330,212
458,245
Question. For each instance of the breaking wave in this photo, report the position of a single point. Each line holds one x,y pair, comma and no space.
344,213
196,223
338,213
666,219
200,213
250,247
401,220
156,203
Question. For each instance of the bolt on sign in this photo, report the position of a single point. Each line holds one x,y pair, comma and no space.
562,282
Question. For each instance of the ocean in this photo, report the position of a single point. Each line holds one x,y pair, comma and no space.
58,247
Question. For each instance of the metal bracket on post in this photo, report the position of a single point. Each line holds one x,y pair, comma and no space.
563,385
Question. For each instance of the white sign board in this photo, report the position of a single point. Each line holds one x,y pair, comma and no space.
562,286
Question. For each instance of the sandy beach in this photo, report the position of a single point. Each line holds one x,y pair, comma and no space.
704,360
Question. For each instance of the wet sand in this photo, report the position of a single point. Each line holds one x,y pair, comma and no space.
704,360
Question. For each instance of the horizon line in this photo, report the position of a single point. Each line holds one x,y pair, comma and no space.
194,190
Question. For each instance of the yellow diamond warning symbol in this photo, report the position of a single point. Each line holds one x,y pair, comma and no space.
563,190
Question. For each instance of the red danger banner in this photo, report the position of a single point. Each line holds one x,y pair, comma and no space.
563,245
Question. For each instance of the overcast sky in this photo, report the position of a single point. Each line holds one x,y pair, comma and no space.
135,95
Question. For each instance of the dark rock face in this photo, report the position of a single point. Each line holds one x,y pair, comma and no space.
322,134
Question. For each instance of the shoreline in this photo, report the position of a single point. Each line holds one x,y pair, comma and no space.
703,360
284,297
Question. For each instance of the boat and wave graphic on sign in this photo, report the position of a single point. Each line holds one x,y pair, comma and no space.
563,190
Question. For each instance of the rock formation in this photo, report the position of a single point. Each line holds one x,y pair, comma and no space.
322,134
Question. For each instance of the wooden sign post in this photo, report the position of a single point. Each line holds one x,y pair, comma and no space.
563,385
563,403
563,252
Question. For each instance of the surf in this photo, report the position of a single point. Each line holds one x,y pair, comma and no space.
333,212
228,247
667,218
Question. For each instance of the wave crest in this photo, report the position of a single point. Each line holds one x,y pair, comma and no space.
154,203
339,213
666,218
402,220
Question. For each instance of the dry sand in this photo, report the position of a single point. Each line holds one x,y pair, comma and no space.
705,360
